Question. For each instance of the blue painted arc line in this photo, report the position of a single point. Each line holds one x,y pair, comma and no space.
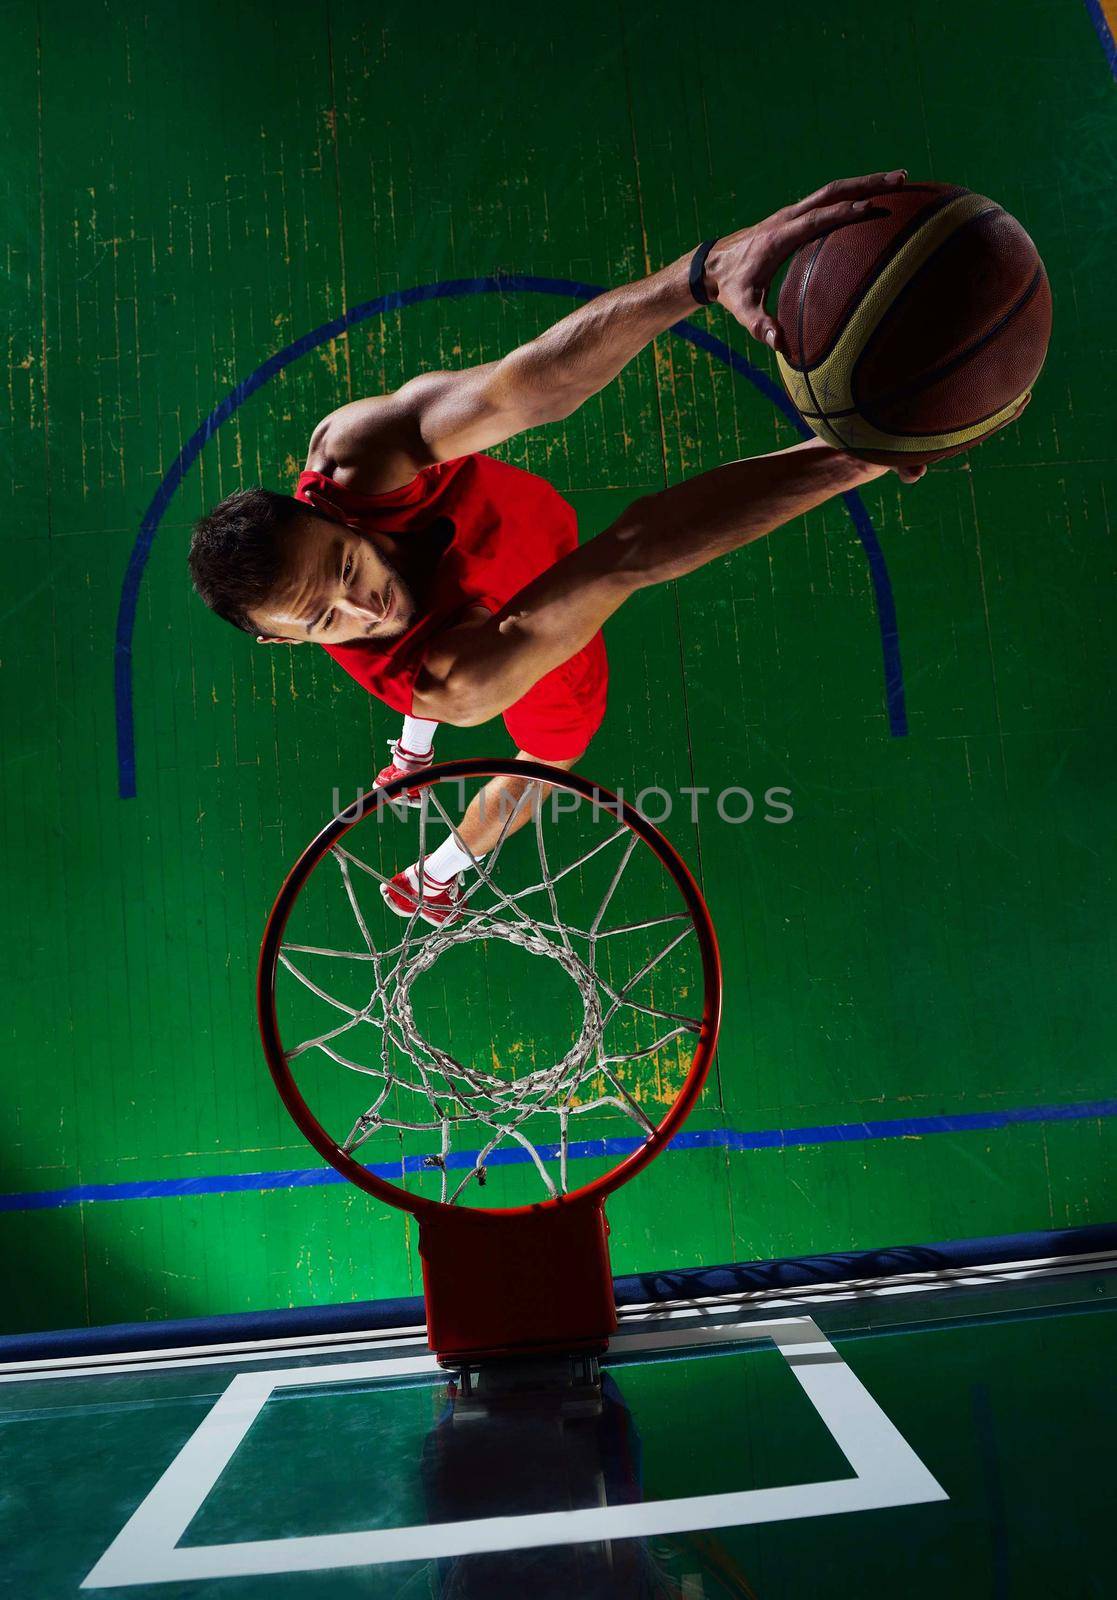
734,1141
395,301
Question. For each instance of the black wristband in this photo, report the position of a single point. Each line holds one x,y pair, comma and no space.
697,268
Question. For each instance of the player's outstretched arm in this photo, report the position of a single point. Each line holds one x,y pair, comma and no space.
382,441
474,672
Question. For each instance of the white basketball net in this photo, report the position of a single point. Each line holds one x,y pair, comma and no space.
449,1095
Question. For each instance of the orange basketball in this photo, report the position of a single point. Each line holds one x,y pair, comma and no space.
914,335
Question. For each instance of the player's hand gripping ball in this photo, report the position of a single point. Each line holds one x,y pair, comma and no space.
913,319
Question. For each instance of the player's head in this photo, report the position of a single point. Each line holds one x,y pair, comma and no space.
277,569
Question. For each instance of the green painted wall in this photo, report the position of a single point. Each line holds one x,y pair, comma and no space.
188,190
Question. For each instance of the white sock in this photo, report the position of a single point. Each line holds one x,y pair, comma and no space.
414,746
446,862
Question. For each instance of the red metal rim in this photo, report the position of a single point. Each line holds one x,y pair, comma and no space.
420,1205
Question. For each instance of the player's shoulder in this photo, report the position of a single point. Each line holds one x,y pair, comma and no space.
367,447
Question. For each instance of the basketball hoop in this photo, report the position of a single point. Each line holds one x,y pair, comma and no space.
603,896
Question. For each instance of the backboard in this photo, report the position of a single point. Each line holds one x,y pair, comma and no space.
867,1434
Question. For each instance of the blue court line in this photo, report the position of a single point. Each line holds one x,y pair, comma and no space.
1104,32
153,516
728,1139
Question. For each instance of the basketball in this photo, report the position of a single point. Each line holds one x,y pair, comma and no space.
915,334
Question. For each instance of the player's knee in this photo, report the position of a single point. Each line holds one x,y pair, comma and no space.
462,701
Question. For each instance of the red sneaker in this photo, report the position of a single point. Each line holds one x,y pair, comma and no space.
440,900
402,765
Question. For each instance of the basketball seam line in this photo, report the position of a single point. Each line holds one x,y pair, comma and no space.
906,390
906,234
910,433
807,276
919,433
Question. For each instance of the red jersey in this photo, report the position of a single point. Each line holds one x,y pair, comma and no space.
505,526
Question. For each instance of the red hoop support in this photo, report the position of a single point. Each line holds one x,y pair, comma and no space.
521,1278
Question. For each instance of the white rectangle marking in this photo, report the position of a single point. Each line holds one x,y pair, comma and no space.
147,1549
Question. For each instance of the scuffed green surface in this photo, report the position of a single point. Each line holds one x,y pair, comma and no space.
185,191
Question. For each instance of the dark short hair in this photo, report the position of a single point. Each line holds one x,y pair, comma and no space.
236,552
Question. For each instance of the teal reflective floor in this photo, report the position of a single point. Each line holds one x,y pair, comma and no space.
914,1439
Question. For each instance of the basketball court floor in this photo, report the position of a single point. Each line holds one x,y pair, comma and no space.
884,740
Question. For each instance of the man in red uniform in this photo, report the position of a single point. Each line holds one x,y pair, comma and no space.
452,585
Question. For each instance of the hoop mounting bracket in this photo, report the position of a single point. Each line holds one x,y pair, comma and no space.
496,1287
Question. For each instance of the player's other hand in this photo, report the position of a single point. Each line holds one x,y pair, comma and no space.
741,266
877,469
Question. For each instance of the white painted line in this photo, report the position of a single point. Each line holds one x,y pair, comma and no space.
147,1549
215,1355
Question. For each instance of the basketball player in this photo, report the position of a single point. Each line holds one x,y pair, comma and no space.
452,586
